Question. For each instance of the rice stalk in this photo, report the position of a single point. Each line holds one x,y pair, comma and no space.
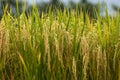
85,53
74,68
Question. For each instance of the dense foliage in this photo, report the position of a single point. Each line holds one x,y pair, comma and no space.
65,45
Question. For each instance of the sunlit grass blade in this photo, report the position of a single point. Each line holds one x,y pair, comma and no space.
25,67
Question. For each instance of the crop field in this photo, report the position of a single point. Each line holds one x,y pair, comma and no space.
65,45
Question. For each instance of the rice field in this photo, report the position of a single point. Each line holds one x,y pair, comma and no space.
65,45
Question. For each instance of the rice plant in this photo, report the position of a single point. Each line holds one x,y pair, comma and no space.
59,45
